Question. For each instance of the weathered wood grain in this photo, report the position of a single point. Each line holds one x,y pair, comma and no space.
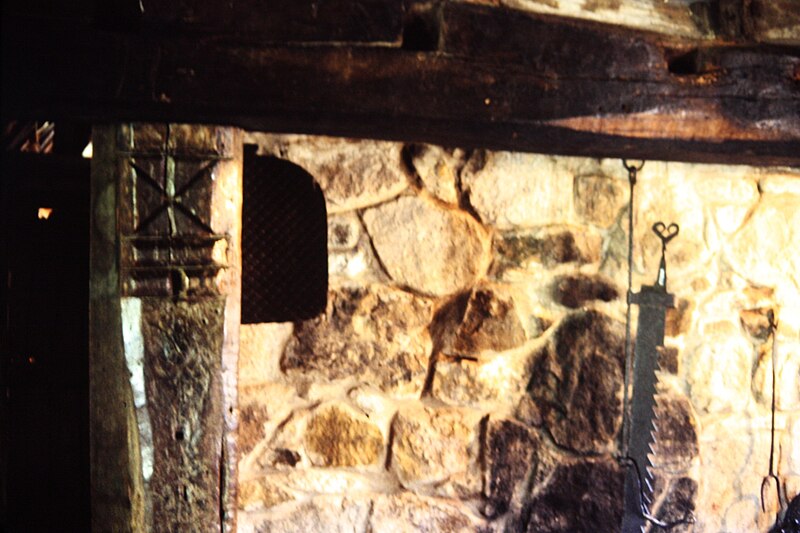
281,21
551,46
165,276
626,94
182,348
117,487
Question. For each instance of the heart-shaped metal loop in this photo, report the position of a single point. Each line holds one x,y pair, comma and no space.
664,232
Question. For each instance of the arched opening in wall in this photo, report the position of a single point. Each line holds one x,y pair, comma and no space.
284,242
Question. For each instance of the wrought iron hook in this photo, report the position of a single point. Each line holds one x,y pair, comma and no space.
630,167
772,476
632,171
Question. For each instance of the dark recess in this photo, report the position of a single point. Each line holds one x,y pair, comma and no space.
284,242
44,405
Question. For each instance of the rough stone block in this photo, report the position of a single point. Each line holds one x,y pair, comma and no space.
510,190
756,322
676,443
668,359
675,499
576,381
599,199
511,448
576,290
490,323
374,334
409,513
679,318
549,247
437,448
498,380
585,496
261,494
344,232
351,173
429,249
322,514
438,168
339,436
718,373
260,349
251,426
766,250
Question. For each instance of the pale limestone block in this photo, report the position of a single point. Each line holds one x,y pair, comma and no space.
497,379
745,515
432,250
350,255
599,199
372,402
510,190
321,514
436,450
410,513
734,453
665,194
787,182
672,18
793,448
265,490
719,373
788,378
729,194
260,349
716,184
438,169
766,250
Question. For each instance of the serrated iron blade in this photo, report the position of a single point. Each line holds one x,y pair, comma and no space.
653,302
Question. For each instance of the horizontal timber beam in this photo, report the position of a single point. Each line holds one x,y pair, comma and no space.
582,89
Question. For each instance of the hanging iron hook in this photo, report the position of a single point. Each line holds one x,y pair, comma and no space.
630,167
772,476
632,170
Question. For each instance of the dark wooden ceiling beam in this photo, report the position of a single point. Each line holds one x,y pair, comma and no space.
495,79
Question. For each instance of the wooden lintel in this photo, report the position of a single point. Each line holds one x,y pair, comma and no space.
642,97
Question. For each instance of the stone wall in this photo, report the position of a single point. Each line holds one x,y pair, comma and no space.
467,373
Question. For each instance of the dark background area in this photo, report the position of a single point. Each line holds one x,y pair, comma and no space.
44,404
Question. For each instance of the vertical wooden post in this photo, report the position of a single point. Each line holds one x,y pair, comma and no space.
164,325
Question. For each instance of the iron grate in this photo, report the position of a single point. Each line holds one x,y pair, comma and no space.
284,242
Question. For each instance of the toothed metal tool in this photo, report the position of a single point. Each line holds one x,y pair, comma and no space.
653,302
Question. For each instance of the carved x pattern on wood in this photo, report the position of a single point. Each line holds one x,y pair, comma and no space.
173,198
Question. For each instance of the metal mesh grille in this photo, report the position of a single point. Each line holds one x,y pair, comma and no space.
284,242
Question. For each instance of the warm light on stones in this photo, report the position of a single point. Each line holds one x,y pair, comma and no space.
87,152
44,213
356,266
471,352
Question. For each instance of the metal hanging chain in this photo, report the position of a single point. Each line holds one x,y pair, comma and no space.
632,173
773,326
